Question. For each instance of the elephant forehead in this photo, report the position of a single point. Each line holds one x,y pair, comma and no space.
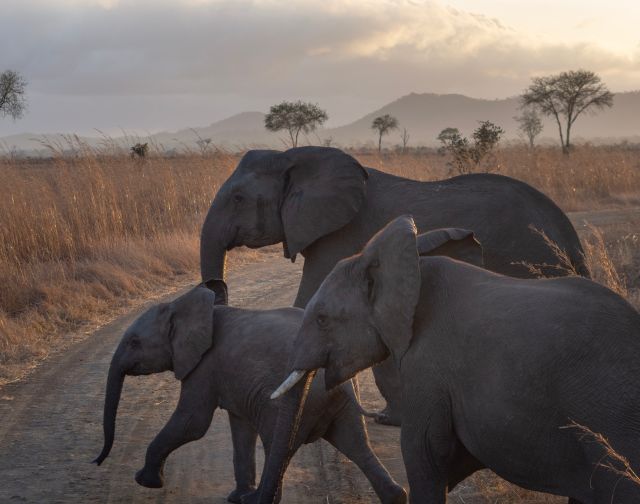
258,161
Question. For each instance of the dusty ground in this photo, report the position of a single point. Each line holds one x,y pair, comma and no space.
50,425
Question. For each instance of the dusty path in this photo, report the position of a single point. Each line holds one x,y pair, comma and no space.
50,425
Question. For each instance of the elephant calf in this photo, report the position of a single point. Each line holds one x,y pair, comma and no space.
233,359
493,369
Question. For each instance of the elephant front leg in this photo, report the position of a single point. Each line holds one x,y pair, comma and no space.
244,438
189,422
427,449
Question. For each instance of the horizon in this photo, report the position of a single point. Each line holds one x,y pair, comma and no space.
165,66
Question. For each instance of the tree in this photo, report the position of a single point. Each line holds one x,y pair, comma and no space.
529,124
405,139
140,150
295,117
12,94
565,96
384,124
467,156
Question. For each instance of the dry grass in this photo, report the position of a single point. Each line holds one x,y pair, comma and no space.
591,177
92,229
82,235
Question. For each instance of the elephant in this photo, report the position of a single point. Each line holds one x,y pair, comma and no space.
321,203
496,372
232,358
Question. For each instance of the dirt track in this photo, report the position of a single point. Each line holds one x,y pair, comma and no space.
50,425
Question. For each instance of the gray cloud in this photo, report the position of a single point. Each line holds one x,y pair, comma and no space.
153,65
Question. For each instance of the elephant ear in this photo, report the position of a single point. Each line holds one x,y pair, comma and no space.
456,243
324,190
392,271
192,329
219,288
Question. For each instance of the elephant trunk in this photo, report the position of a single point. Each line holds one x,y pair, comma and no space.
213,247
115,381
284,438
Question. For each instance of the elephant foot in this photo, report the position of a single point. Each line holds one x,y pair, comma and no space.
397,495
149,478
388,416
237,495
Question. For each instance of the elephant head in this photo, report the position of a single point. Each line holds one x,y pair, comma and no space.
273,196
363,311
169,336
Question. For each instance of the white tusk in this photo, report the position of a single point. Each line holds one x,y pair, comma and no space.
288,384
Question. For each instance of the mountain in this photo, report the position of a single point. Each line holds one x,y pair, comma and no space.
236,132
423,115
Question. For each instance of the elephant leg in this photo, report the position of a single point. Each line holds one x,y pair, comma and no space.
244,438
348,433
189,422
428,449
388,382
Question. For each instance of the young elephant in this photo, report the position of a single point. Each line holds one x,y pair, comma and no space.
207,346
493,368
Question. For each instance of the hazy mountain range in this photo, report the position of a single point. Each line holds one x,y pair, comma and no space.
423,115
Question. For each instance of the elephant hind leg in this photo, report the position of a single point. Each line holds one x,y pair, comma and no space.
348,434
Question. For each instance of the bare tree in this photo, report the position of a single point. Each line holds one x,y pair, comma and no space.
384,124
529,124
12,94
405,139
295,117
565,96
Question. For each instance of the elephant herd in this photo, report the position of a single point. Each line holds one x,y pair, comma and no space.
431,283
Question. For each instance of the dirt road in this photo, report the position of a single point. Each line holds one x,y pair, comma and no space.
50,427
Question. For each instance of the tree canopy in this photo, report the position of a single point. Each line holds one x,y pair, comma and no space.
12,94
384,124
565,96
295,117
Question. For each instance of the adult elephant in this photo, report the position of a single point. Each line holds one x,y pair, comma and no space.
321,203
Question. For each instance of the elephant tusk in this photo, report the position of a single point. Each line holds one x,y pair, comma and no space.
288,384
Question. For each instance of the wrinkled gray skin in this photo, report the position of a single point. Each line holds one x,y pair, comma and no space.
232,359
492,367
321,203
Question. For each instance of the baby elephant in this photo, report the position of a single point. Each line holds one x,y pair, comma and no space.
233,359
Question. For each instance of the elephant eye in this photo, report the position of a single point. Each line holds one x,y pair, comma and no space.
321,320
134,343
238,198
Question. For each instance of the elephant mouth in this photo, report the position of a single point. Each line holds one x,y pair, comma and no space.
234,242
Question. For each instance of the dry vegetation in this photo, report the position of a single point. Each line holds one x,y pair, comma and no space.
89,230
85,234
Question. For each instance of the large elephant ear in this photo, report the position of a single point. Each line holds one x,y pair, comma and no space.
192,329
393,274
324,190
460,244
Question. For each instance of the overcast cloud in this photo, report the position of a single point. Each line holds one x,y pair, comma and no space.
151,65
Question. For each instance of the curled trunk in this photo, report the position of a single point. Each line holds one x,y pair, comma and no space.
112,398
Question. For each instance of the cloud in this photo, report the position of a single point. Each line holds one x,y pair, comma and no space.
258,51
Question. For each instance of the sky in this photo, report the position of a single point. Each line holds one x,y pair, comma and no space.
153,65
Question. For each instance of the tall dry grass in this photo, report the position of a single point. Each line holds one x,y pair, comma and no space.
591,177
81,234
89,229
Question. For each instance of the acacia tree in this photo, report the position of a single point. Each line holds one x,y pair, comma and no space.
529,124
12,94
384,124
565,96
295,117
